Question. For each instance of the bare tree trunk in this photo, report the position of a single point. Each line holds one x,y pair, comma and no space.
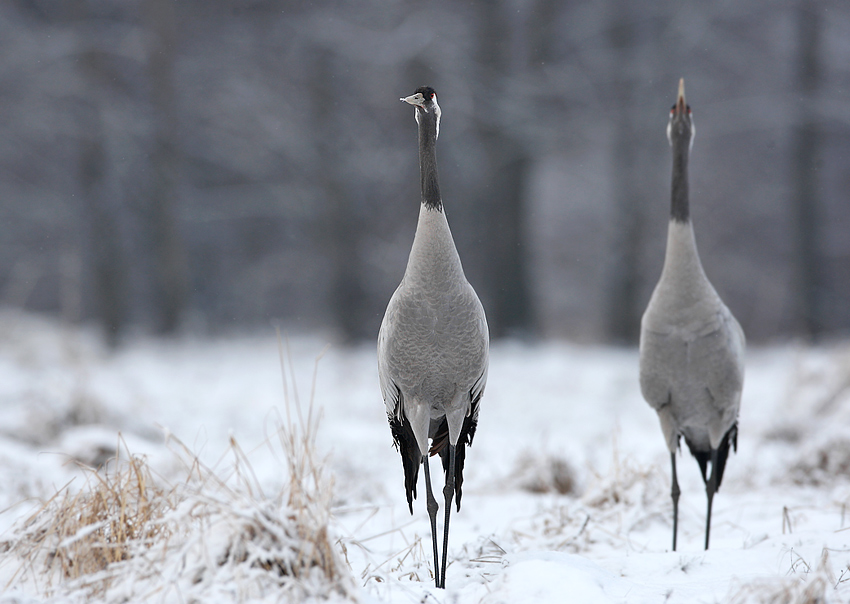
810,260
624,312
511,313
109,266
341,232
543,31
502,197
170,268
107,258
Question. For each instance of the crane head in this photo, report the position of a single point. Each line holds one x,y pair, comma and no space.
681,125
425,101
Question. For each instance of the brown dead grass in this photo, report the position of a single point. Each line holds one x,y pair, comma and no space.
807,585
82,532
627,483
544,474
823,463
125,528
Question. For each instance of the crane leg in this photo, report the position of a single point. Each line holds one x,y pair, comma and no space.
432,513
448,492
674,493
710,490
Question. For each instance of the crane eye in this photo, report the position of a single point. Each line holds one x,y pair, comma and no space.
673,108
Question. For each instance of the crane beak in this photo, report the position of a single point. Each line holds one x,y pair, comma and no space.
414,99
681,106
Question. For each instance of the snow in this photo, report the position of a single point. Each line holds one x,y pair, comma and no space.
556,417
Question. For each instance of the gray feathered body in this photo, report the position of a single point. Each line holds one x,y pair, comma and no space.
433,350
691,347
433,345
691,352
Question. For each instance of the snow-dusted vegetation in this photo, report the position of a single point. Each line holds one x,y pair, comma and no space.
201,170
207,470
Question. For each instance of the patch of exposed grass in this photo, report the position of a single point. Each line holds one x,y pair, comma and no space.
128,535
82,532
804,585
544,474
615,505
823,463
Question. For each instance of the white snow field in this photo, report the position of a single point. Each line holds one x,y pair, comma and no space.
565,498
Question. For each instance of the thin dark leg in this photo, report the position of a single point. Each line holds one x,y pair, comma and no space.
432,512
710,490
674,493
448,492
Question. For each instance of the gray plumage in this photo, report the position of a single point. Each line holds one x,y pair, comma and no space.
433,345
433,342
691,347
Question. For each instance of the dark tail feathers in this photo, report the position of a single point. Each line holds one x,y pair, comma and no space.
703,457
405,442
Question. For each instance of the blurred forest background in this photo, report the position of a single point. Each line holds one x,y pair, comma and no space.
212,165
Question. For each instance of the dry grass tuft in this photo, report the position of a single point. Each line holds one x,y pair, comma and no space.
544,474
626,483
83,532
785,433
823,463
614,507
810,586
129,536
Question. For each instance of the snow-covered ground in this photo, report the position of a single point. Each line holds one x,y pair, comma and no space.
566,491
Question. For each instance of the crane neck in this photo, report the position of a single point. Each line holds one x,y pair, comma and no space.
679,204
428,160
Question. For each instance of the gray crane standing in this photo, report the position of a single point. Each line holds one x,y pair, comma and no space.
691,347
433,345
